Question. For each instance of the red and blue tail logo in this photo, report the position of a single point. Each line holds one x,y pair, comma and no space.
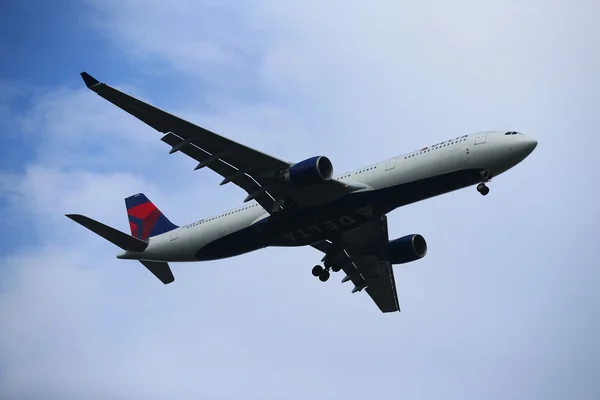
145,220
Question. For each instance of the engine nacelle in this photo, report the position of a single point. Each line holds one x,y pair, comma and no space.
406,249
310,171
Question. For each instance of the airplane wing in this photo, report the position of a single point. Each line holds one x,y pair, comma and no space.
361,255
255,172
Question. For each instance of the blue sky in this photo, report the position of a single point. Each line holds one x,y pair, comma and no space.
503,306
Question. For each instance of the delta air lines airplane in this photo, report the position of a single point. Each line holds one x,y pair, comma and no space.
303,203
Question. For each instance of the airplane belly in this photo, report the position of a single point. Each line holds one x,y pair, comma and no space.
227,239
233,244
309,229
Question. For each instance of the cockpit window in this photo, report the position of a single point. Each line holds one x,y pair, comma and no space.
512,133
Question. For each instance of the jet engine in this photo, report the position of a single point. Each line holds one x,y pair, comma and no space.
310,171
406,249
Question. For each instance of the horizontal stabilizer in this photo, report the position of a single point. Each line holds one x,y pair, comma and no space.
160,269
118,238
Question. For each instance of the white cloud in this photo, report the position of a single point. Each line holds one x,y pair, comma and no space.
502,305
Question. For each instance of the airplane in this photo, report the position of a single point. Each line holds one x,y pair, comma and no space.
302,204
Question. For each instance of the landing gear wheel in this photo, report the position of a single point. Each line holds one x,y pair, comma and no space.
483,189
324,275
336,268
317,270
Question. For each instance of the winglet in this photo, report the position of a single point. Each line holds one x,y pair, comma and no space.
89,80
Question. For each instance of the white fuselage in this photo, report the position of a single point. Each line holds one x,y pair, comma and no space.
495,152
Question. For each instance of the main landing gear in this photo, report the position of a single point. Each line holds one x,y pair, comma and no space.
482,188
323,273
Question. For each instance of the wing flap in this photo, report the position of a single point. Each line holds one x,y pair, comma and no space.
376,277
382,286
360,254
177,129
221,167
222,155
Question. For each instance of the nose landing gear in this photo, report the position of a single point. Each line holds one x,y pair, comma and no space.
482,187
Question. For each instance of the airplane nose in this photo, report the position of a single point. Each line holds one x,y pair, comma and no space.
529,145
512,149
523,146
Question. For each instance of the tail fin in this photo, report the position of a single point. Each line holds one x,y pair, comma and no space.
145,220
